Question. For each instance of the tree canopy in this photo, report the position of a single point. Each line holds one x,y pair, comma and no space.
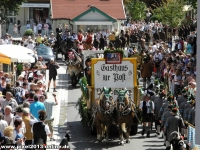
136,9
11,5
171,13
153,3
193,3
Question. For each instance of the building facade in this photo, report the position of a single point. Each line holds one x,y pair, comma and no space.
88,14
32,11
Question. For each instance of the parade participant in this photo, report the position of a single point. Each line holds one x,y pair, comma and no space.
52,40
80,36
157,58
191,103
158,103
53,66
88,41
165,116
173,123
40,130
164,106
112,38
147,108
146,71
180,97
191,114
182,105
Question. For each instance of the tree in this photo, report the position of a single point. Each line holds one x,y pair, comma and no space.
136,9
153,3
11,5
193,3
171,13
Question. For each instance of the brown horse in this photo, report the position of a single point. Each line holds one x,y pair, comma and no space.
125,109
103,110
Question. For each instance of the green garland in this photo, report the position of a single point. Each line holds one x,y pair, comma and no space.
83,111
83,85
114,51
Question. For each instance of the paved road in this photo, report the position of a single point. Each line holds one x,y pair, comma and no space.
81,139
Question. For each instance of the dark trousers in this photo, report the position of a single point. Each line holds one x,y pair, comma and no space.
28,142
39,31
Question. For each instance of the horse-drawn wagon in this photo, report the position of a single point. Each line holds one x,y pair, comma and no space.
112,97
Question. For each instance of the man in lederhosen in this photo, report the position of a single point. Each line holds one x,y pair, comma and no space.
147,108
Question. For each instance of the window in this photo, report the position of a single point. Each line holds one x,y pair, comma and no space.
44,51
11,16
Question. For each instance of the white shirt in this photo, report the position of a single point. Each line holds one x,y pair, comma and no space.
154,47
157,57
46,128
3,125
149,103
30,46
39,26
148,14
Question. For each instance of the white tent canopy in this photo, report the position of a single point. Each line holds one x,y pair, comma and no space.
17,53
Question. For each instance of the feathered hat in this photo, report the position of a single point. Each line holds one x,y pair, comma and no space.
170,98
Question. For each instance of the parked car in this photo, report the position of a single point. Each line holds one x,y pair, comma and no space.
46,53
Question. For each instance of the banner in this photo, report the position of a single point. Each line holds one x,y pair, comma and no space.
191,138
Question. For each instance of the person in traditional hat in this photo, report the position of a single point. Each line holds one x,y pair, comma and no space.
147,108
41,130
191,103
165,116
158,104
183,104
180,97
164,105
173,123
191,114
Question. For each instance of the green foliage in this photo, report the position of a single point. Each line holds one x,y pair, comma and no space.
136,9
193,3
11,5
114,51
153,3
171,13
83,85
28,32
82,109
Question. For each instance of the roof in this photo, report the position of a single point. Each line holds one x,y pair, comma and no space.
93,9
70,9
